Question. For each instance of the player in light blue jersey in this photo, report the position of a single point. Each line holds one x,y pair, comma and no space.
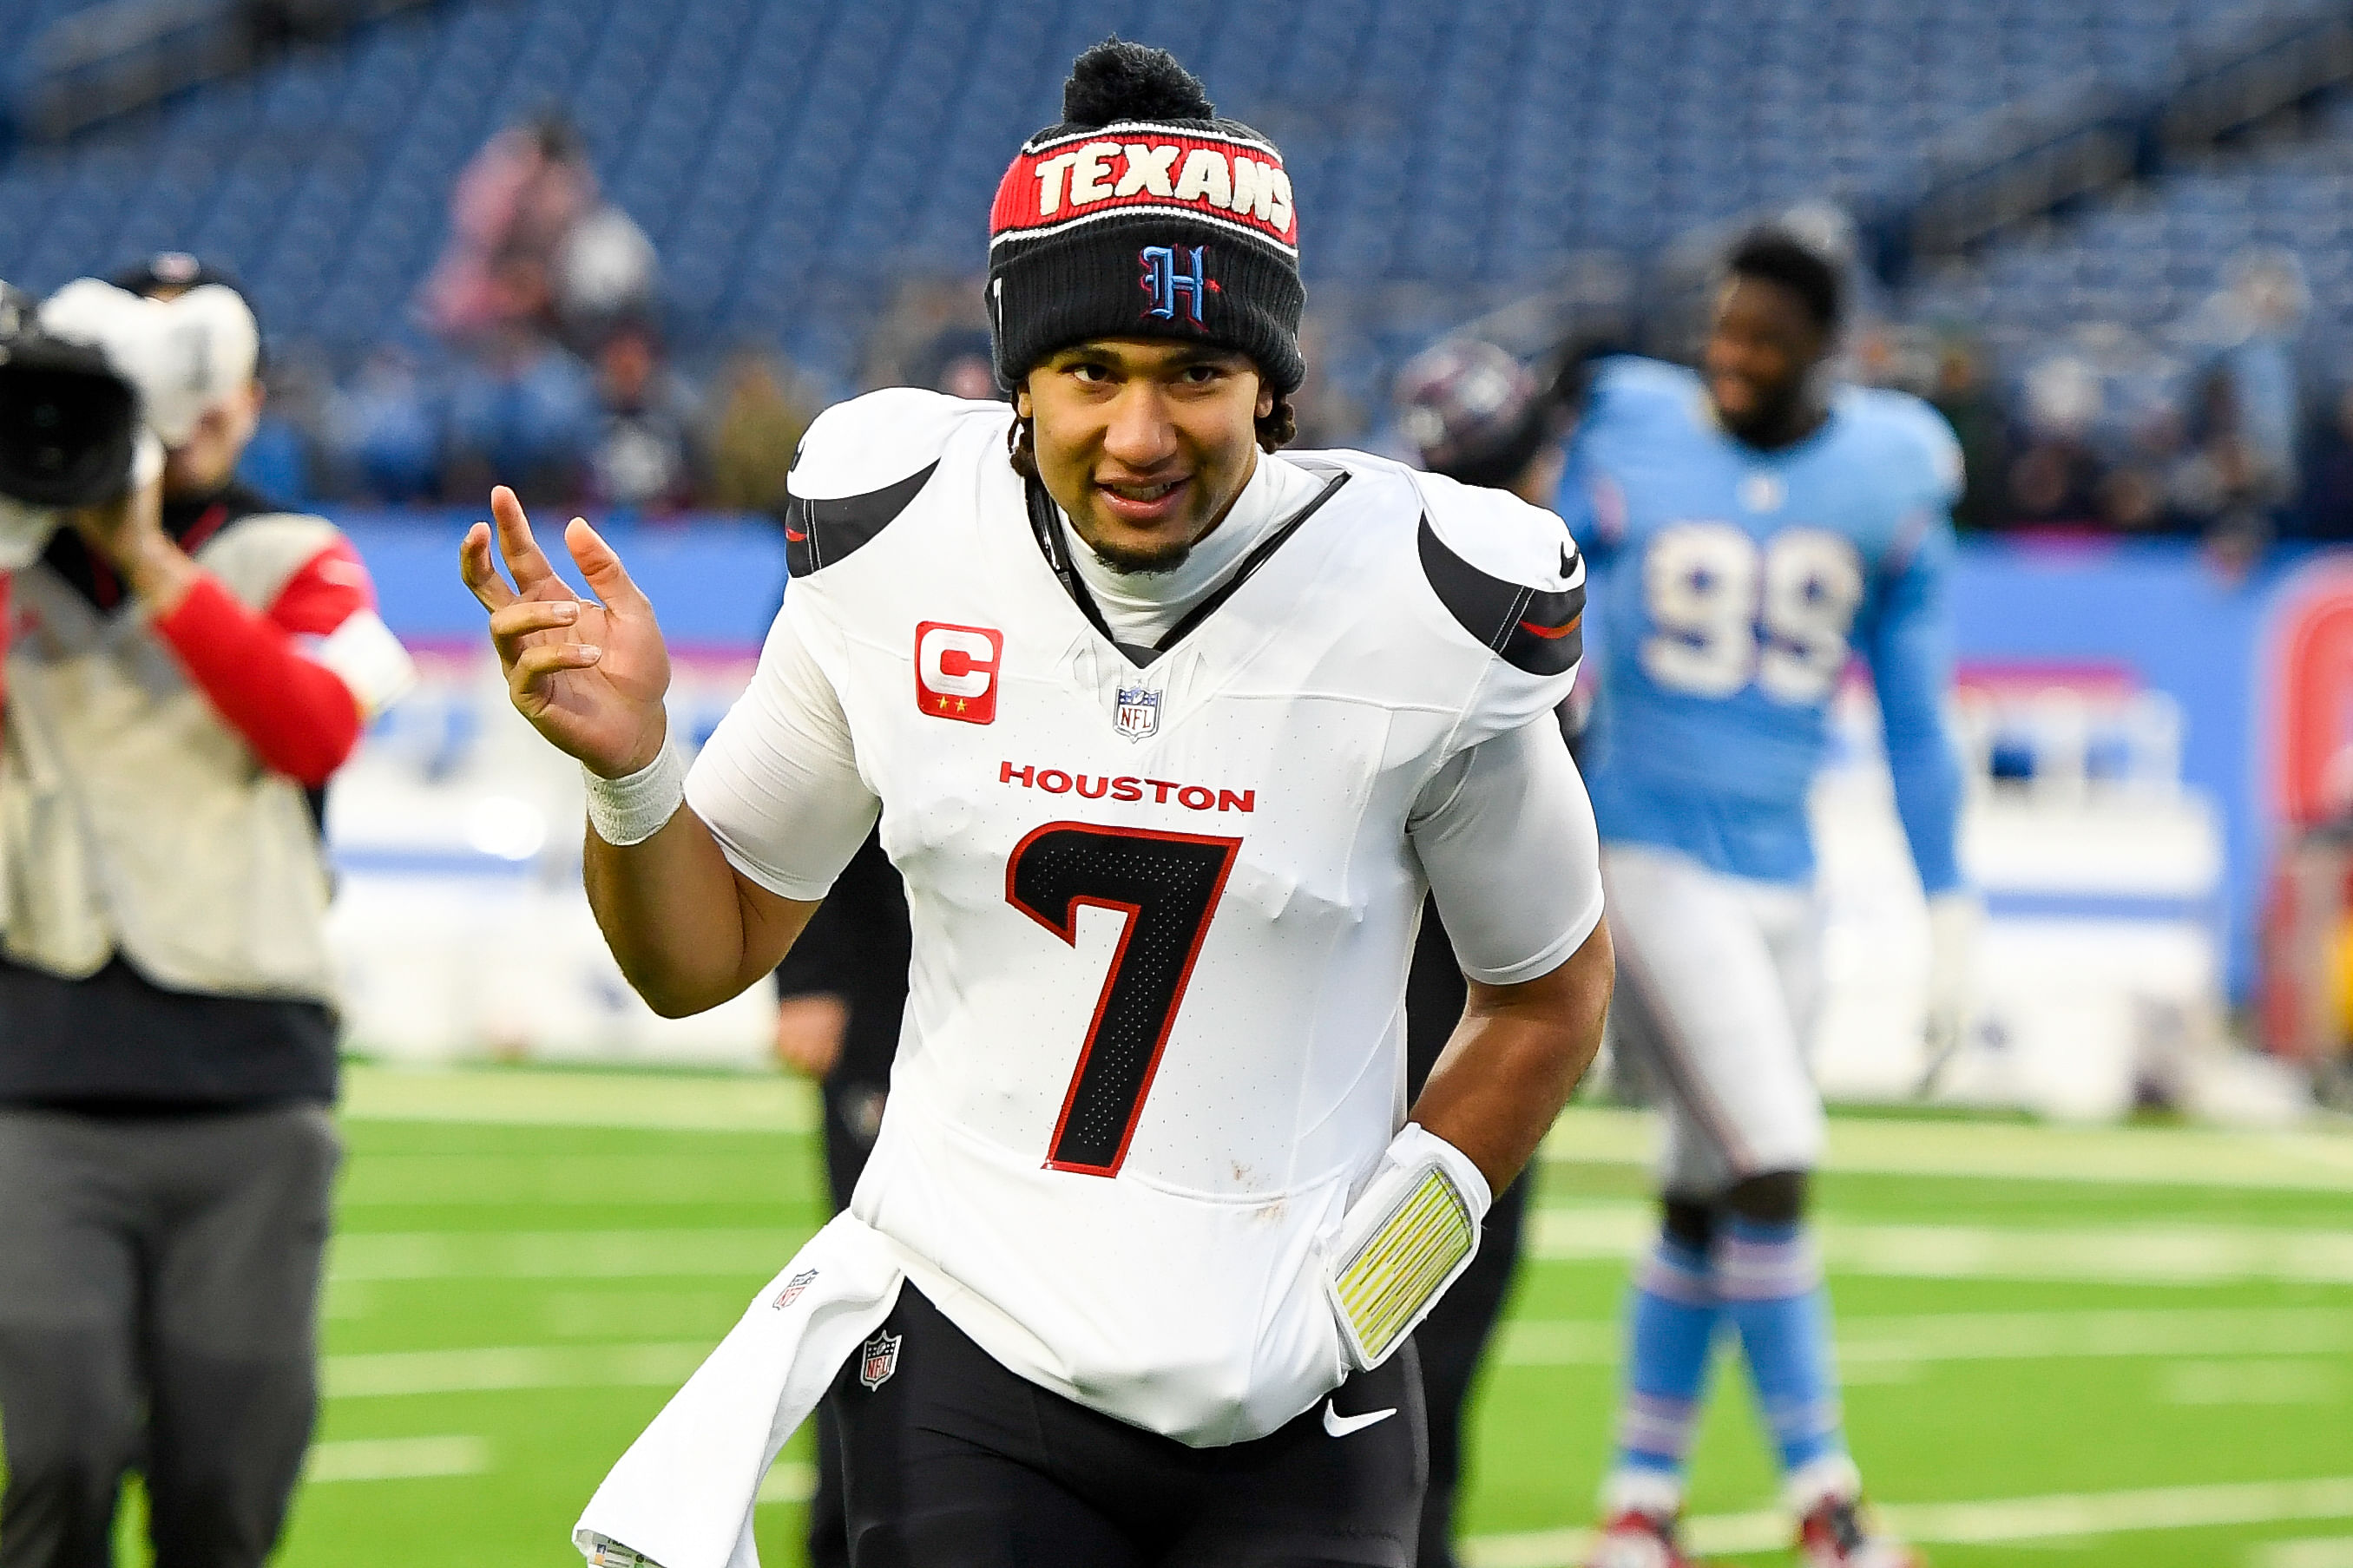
1751,530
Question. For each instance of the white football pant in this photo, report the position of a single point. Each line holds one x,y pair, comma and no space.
1717,979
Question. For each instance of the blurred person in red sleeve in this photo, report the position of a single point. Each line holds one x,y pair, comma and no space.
186,669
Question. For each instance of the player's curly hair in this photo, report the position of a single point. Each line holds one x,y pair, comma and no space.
1777,255
1277,429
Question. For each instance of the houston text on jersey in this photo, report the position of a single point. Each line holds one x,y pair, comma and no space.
1192,797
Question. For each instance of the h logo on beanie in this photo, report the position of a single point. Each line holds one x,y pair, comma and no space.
1171,271
1142,167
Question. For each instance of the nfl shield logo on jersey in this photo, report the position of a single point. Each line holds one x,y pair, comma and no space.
878,1359
1139,712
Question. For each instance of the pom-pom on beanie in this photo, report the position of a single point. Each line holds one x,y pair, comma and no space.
1143,215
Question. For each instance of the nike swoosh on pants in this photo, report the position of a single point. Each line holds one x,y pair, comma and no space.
1340,1425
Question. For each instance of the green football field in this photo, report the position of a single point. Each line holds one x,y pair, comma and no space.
2127,1347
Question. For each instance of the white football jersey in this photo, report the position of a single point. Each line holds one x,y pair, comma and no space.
1161,914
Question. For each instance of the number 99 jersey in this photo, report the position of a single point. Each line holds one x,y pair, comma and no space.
1161,914
1730,587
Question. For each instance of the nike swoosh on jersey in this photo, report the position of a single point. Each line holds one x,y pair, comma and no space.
1340,1425
1530,628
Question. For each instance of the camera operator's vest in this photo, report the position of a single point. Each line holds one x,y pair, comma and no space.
133,819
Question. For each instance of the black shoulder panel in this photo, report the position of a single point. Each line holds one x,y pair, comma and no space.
1528,628
819,533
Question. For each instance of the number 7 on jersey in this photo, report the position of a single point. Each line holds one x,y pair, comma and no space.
1167,886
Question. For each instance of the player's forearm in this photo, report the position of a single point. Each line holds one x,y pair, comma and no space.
1927,777
687,931
1514,1059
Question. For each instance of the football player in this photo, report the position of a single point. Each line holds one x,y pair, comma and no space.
1475,415
1167,735
1754,529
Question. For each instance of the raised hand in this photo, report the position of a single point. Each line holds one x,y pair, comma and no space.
589,676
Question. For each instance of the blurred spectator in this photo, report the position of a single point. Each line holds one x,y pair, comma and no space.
514,206
2223,472
275,462
928,323
956,362
536,265
1902,356
2251,328
2132,502
2328,495
2055,478
607,276
1327,416
524,415
645,455
1961,394
755,419
291,456
2228,485
385,432
2137,495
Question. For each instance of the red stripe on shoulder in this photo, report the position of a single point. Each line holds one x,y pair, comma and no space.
326,591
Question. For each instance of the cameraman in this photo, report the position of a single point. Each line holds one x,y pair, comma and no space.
186,670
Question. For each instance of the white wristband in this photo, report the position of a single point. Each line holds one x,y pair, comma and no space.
634,807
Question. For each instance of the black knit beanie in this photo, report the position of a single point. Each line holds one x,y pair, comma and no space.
1143,214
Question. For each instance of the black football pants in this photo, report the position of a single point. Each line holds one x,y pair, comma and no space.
1452,1340
159,1280
951,1461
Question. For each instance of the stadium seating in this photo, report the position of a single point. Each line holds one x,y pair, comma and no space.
791,156
2144,260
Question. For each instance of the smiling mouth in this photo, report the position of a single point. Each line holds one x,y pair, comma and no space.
1143,494
1148,506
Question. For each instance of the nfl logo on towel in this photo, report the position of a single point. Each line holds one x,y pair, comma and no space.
881,1360
793,1288
1139,712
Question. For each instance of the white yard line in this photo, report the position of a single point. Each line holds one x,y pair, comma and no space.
2061,1517
2319,1161
1906,1338
2133,1156
2205,1382
752,1255
496,1369
2119,1254
1897,1341
654,1100
2152,1254
395,1458
2330,1551
527,1176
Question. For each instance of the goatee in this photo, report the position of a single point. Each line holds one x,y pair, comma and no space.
1156,561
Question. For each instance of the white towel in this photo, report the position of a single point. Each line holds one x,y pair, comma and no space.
683,1496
